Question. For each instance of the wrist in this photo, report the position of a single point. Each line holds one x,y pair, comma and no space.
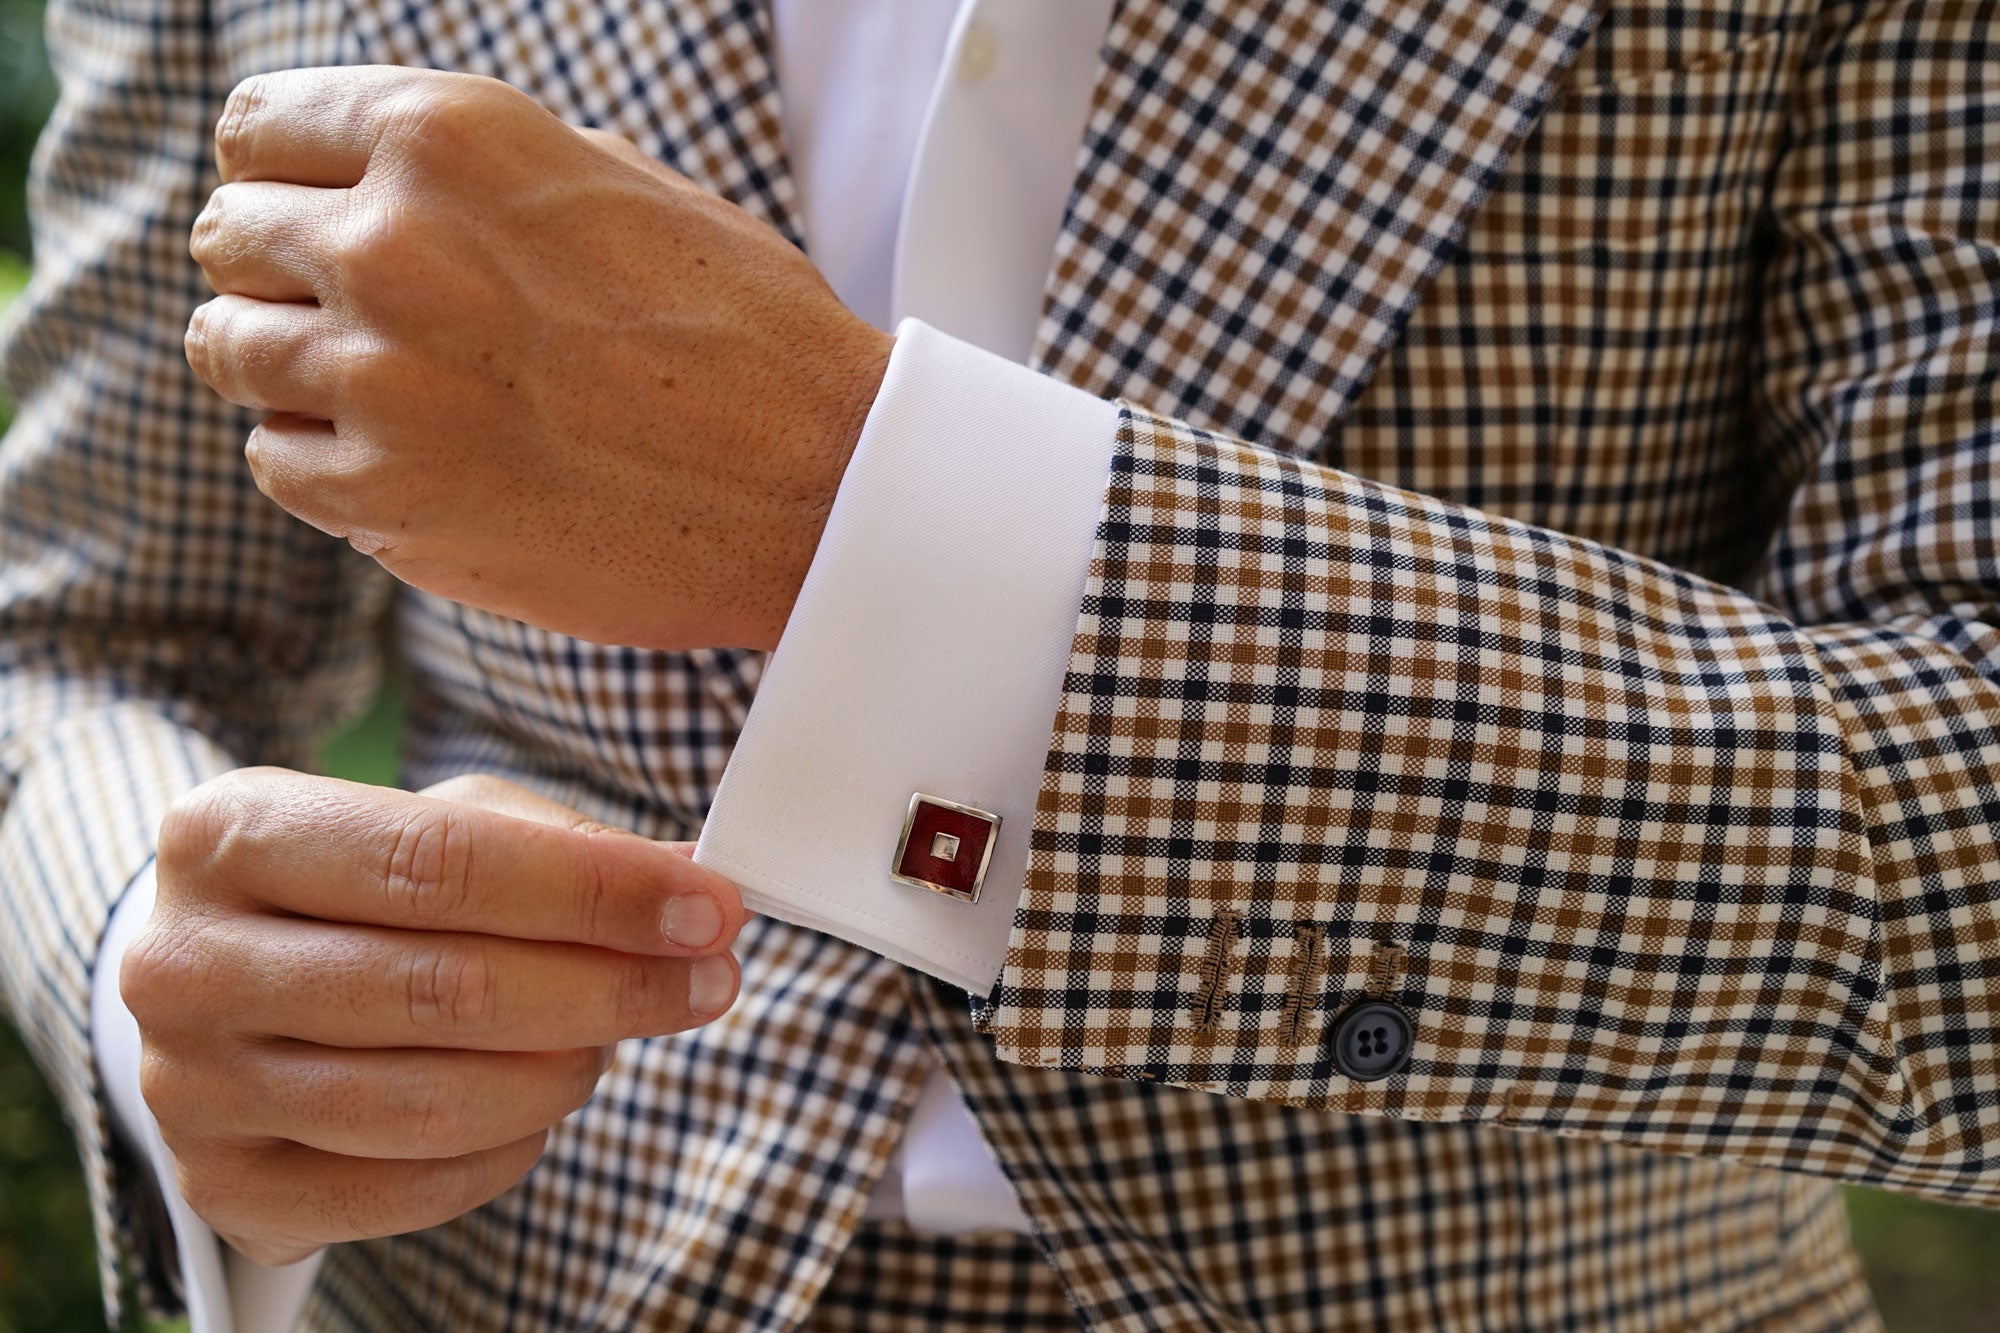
834,410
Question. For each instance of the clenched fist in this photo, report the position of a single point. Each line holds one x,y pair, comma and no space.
520,365
361,1009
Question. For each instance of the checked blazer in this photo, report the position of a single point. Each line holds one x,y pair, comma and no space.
1548,582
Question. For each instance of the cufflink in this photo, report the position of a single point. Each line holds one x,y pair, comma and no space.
945,847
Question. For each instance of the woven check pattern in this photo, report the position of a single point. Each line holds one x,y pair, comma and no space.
1670,287
1357,137
894,1280
1163,1209
1698,868
159,622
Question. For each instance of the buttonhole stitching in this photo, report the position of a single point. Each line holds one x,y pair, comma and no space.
1214,966
1385,971
1303,984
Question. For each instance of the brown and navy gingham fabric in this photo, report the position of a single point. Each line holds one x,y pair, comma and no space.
1695,857
894,1280
1550,565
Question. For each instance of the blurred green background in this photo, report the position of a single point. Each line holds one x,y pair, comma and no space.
1934,1269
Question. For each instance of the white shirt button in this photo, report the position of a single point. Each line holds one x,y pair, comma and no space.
978,53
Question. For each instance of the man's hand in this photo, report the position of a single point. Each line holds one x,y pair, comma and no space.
363,1009
521,365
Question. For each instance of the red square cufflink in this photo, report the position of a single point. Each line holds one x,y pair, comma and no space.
945,847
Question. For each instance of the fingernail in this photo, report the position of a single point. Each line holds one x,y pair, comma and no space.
711,985
692,920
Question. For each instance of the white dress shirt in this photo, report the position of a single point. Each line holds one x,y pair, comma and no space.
933,142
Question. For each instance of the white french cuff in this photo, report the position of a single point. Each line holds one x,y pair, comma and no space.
224,1291
926,654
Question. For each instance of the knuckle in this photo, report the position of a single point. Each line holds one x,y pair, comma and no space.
239,115
206,340
531,1150
339,1209
250,1197
194,829
158,976
223,232
278,484
593,897
430,1110
373,251
219,822
469,1182
438,121
448,987
427,878
488,1177
219,1181
162,1087
243,362
585,1068
370,382
231,356
645,995
206,235
202,1187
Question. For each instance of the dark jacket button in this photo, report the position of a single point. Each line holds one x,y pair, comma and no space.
1372,1041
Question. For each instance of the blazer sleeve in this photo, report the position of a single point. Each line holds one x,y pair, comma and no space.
1698,869
160,622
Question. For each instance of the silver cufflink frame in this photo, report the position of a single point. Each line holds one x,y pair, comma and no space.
985,857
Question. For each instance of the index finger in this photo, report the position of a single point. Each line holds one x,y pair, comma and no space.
310,126
341,851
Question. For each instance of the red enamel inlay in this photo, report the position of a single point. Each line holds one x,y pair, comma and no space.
961,872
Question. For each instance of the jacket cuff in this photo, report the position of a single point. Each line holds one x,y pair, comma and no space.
1362,801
